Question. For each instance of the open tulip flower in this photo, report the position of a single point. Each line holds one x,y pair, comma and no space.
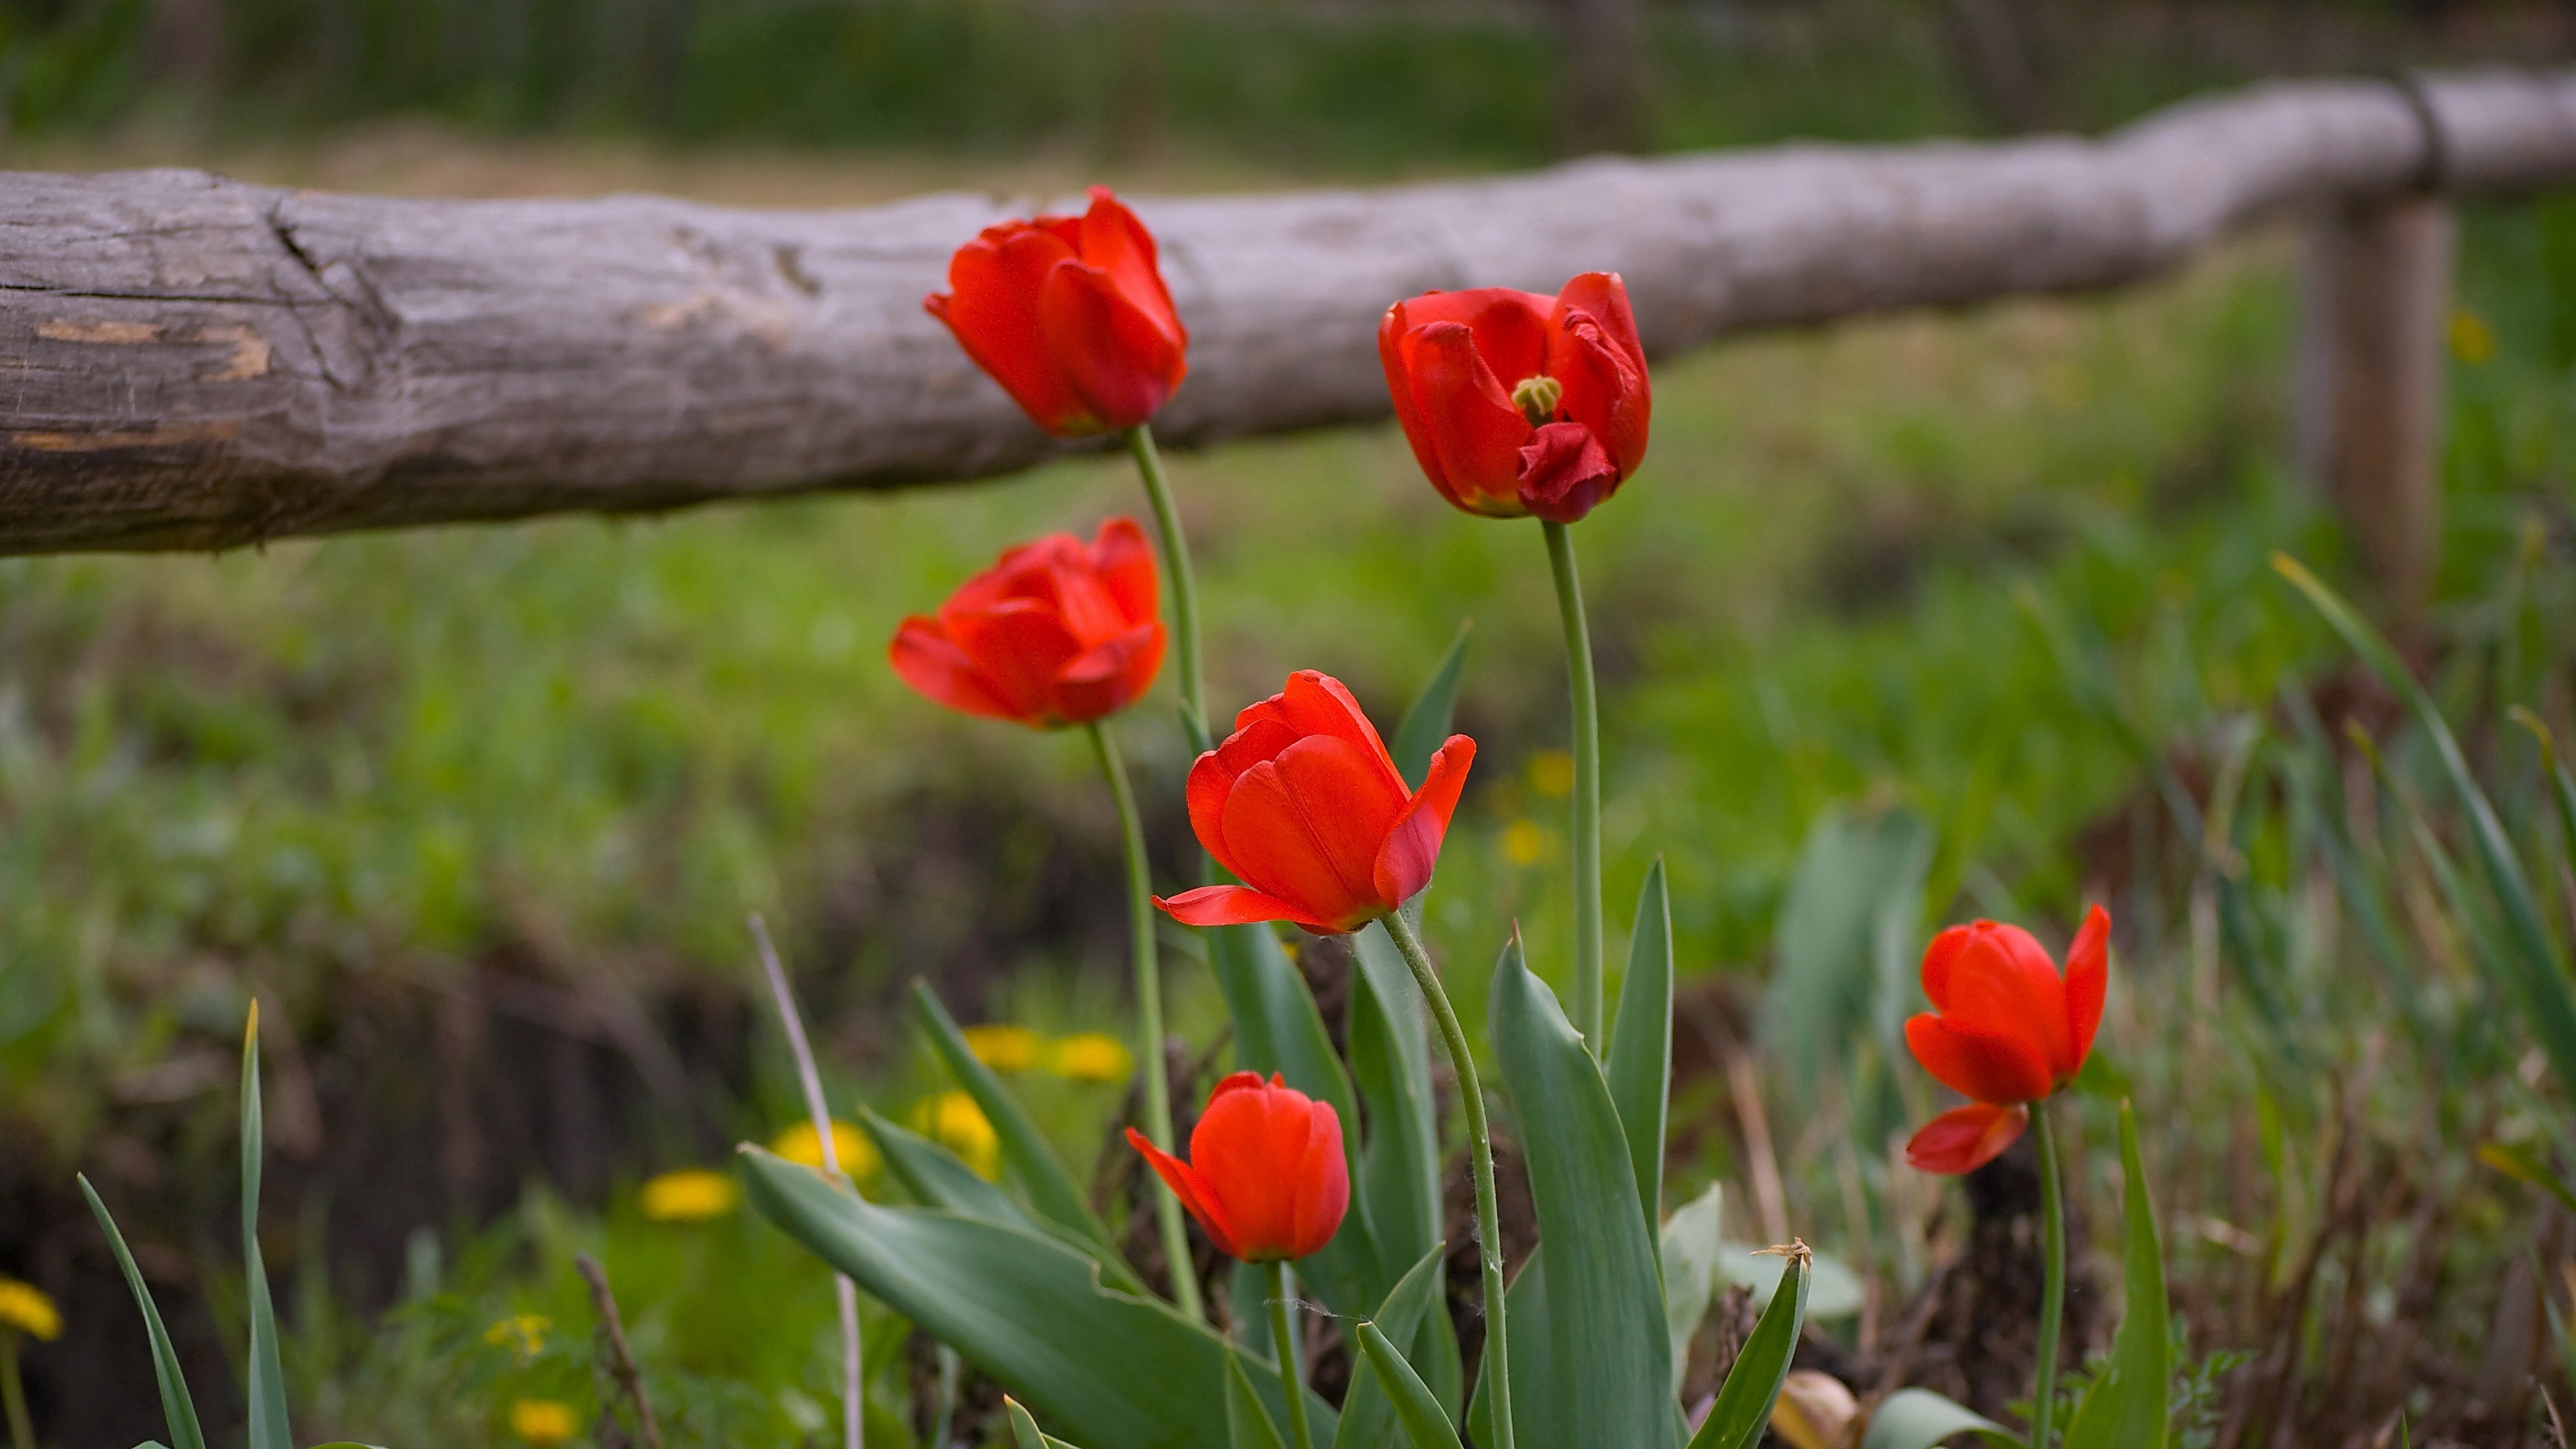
1070,315
1057,632
1518,404
1304,805
1266,1176
2006,1030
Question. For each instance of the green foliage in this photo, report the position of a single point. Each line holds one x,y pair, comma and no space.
1639,1063
2127,1405
1426,1423
1743,1408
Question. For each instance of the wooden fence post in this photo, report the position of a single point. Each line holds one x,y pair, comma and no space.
2378,304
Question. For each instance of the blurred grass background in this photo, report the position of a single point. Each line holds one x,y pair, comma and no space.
482,809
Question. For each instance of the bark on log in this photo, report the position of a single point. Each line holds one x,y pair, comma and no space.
196,363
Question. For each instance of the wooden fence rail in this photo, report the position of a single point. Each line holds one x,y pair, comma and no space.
192,362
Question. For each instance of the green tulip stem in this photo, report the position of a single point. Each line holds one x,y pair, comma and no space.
1283,1348
1480,1148
1587,786
22,1432
1149,1019
2052,1308
1185,589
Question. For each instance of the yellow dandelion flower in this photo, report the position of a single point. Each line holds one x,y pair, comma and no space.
952,1120
691,1195
1524,842
542,1422
1093,1056
523,1334
2472,340
25,1309
802,1144
1003,1048
1552,773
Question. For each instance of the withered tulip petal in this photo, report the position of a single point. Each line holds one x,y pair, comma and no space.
1604,297
1976,1064
2088,981
992,308
1565,473
1412,849
1603,388
1964,1139
1115,358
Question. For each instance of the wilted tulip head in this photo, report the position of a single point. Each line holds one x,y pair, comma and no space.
1304,805
1056,632
1070,315
1518,404
2006,1030
1266,1178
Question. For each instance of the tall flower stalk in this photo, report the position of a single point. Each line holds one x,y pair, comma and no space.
1185,591
1149,1016
2052,1308
1587,785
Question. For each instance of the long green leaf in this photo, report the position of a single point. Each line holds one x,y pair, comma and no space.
1368,1415
1426,721
177,1408
2562,784
1920,1419
2128,1404
1426,1426
939,1178
1399,1171
2548,996
1689,1246
1277,1028
1743,1407
1032,1162
1640,1063
1247,1423
1602,1343
1025,1433
1859,882
268,1429
1030,1313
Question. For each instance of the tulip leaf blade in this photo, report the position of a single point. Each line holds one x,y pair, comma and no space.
935,1175
1752,1387
1370,1414
1028,1312
1398,1174
1689,1245
1426,1424
1640,1061
2127,1405
177,1407
1922,1419
2545,992
1278,1029
1025,1433
1032,1162
1602,1347
1247,1423
267,1387
1425,725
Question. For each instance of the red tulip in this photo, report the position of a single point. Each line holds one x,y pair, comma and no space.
1518,404
1070,315
1266,1177
1056,632
2006,1030
1303,804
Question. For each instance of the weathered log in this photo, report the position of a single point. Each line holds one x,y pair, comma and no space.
197,363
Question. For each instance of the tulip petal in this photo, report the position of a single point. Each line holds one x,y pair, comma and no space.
2088,980
1989,1068
1468,418
992,307
2003,984
1941,962
1412,849
1306,827
1233,905
1605,388
1391,330
1247,1149
1109,676
1315,703
1113,240
1114,357
1510,327
1125,563
1020,647
1187,1185
1964,1139
1565,473
1323,1193
925,657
